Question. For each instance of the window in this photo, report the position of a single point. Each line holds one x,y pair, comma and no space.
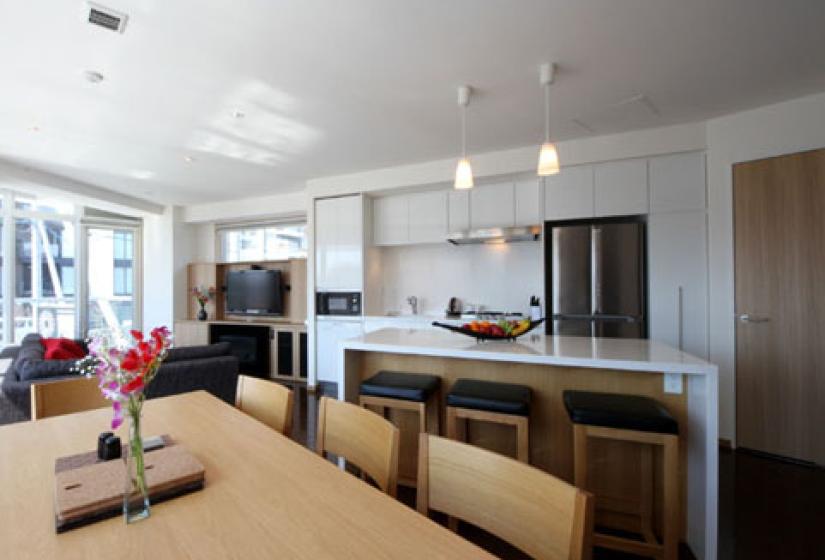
110,307
40,290
270,242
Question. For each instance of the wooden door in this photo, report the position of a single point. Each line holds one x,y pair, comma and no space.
779,216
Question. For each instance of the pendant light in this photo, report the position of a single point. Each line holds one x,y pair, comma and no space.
463,171
548,156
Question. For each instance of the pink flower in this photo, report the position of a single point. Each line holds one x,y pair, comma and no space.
117,418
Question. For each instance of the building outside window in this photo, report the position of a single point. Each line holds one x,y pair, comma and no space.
264,242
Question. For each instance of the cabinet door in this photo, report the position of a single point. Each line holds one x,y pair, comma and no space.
330,334
492,206
678,285
347,270
620,188
677,182
528,202
325,246
459,211
428,217
391,220
191,333
569,194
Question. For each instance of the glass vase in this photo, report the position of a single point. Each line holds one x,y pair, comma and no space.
136,494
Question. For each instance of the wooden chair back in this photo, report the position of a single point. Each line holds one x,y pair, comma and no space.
534,511
65,396
266,401
362,437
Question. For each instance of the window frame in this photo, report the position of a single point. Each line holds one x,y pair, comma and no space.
221,230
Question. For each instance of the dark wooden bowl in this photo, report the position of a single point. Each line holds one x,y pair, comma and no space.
482,336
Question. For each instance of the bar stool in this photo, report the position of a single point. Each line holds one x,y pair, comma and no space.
404,391
488,401
640,420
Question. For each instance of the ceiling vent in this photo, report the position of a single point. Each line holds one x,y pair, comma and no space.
106,17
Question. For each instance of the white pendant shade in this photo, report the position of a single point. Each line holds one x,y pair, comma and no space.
463,174
548,160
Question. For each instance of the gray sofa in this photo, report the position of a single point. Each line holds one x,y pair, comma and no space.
190,368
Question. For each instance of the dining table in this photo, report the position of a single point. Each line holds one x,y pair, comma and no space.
265,496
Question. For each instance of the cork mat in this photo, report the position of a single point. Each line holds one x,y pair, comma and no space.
87,491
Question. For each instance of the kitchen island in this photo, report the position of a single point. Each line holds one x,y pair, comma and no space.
549,365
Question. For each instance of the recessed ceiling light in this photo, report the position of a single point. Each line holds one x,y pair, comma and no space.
188,159
34,128
93,77
238,114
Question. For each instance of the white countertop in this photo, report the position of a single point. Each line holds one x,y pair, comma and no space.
605,353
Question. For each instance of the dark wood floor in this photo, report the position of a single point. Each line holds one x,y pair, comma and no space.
769,509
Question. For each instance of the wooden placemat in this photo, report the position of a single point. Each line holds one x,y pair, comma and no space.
87,490
83,459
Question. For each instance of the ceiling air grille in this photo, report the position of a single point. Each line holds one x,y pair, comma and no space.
106,17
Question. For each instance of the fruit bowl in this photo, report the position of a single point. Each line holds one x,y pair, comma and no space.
483,330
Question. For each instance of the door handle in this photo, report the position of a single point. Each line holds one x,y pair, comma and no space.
748,318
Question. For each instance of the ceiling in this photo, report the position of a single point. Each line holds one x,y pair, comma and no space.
262,95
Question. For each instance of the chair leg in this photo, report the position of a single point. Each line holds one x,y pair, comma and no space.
580,456
646,492
422,418
452,423
523,440
670,527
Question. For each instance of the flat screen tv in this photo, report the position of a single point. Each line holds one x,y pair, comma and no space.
254,292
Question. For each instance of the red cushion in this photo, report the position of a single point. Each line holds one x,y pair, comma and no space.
62,349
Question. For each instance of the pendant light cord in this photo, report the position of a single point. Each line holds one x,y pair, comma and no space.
546,113
464,132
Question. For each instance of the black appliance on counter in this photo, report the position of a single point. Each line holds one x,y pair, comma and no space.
338,303
596,277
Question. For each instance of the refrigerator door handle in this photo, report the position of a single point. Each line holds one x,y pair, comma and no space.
596,270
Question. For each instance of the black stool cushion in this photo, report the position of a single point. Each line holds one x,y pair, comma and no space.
505,398
398,385
627,412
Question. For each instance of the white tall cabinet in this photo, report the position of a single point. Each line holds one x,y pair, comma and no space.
339,266
677,253
339,243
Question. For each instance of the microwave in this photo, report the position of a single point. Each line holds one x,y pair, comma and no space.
338,303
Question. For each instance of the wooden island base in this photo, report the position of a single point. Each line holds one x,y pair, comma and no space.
613,468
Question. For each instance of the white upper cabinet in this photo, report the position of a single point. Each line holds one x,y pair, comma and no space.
621,188
677,183
528,202
492,206
339,238
458,211
391,220
428,217
569,193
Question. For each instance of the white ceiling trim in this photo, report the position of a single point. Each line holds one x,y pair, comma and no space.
50,184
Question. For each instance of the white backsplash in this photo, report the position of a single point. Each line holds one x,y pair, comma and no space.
500,277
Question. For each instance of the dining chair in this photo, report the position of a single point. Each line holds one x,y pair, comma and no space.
266,401
362,437
65,396
532,510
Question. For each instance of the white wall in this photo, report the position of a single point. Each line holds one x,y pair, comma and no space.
783,128
158,270
501,277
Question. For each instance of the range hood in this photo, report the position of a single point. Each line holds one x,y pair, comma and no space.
495,235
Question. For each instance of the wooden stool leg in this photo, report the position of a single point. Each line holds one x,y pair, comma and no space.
646,482
670,528
580,456
523,440
452,423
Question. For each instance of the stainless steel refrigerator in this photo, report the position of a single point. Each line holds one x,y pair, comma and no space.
596,277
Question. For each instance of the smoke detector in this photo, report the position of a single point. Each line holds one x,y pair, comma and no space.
106,17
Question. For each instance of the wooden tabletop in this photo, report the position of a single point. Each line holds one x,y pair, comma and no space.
265,496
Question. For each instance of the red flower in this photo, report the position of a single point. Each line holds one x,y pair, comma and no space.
137,335
131,361
134,385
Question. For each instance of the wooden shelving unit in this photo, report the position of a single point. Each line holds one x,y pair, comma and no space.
288,359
